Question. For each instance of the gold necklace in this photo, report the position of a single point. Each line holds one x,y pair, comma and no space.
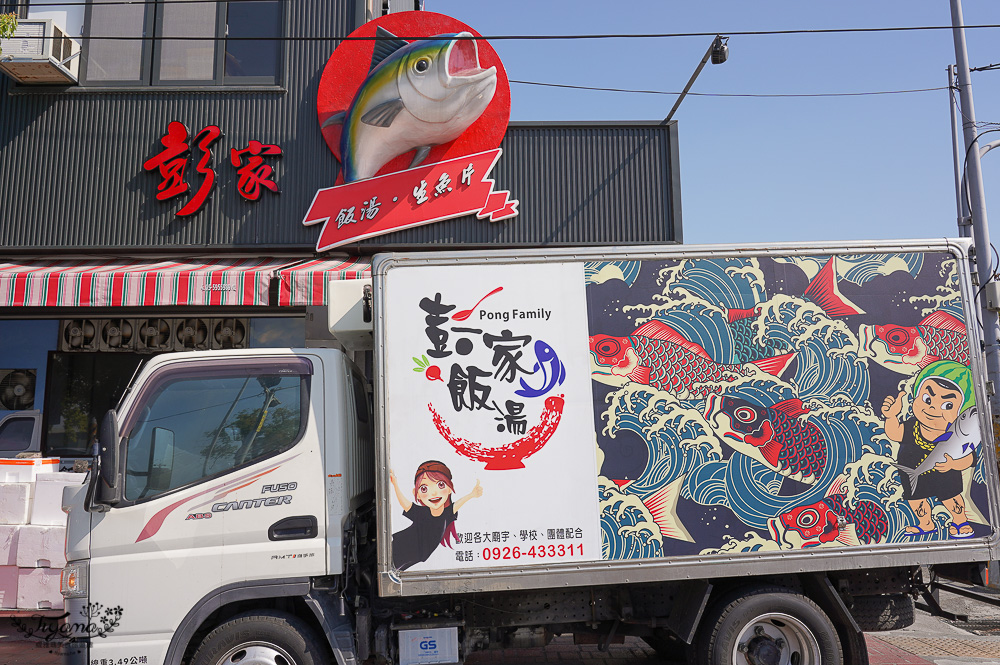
920,440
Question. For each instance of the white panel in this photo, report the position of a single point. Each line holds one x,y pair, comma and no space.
524,438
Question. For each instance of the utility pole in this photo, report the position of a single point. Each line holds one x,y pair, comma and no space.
961,202
977,206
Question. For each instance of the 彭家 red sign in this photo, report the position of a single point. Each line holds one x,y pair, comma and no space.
415,116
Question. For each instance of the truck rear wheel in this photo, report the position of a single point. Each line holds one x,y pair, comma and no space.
262,638
768,626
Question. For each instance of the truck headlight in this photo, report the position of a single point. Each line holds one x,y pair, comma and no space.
75,580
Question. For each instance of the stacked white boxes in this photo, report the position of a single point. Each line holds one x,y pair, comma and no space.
32,533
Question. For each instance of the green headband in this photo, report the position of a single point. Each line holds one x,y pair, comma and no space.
949,370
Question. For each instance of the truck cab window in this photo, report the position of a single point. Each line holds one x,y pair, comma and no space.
194,428
16,433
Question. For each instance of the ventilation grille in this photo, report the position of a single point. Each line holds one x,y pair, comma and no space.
154,334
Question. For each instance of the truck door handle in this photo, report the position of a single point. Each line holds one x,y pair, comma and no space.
293,528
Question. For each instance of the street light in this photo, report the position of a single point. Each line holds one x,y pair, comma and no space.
719,53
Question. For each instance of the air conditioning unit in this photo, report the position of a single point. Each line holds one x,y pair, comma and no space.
350,312
17,389
40,52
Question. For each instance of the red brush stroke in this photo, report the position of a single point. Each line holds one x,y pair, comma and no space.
510,455
156,521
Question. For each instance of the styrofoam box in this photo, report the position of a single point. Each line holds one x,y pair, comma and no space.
8,587
26,470
8,545
46,506
15,502
38,589
41,546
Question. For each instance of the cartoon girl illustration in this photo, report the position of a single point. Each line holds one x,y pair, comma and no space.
432,512
941,392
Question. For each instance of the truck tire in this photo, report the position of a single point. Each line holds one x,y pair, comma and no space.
264,637
767,625
888,612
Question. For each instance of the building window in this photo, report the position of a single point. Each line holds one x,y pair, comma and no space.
194,43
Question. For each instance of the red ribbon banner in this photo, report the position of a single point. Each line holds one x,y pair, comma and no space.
402,200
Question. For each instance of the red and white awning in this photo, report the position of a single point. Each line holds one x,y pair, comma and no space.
91,282
304,283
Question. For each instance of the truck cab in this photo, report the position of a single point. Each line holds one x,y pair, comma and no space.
223,477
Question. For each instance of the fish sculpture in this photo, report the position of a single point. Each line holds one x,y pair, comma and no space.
908,349
659,356
774,435
417,95
830,521
961,439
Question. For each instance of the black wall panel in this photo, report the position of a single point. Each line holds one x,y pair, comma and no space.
71,176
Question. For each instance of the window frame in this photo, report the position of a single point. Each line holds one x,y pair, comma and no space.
244,366
150,67
35,424
279,55
147,52
156,69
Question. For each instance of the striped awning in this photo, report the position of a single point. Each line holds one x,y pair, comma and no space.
304,283
92,282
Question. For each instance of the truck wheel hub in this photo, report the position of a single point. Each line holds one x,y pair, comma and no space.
256,654
763,651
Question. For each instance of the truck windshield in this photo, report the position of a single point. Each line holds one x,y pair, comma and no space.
196,427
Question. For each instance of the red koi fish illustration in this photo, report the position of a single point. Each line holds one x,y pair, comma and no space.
510,455
908,349
659,356
830,522
774,436
662,506
823,290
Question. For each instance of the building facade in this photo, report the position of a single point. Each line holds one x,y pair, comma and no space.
154,196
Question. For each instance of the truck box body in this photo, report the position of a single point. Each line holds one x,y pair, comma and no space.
665,413
602,442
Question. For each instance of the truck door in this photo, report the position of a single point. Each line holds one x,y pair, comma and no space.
219,460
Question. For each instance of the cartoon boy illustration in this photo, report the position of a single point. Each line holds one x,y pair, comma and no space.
941,392
433,514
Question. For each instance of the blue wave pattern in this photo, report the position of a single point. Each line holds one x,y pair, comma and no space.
677,479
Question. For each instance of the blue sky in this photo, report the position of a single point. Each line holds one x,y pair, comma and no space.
768,170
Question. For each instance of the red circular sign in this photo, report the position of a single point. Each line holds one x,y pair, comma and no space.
348,68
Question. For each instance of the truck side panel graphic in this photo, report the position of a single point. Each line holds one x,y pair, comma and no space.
766,404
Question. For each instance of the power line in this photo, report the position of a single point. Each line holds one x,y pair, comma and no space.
341,38
729,94
661,35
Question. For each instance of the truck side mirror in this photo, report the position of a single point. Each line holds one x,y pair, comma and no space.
105,490
161,460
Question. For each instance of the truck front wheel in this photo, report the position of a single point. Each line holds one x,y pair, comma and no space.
262,638
768,626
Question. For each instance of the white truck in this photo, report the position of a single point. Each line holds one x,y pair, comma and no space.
740,455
